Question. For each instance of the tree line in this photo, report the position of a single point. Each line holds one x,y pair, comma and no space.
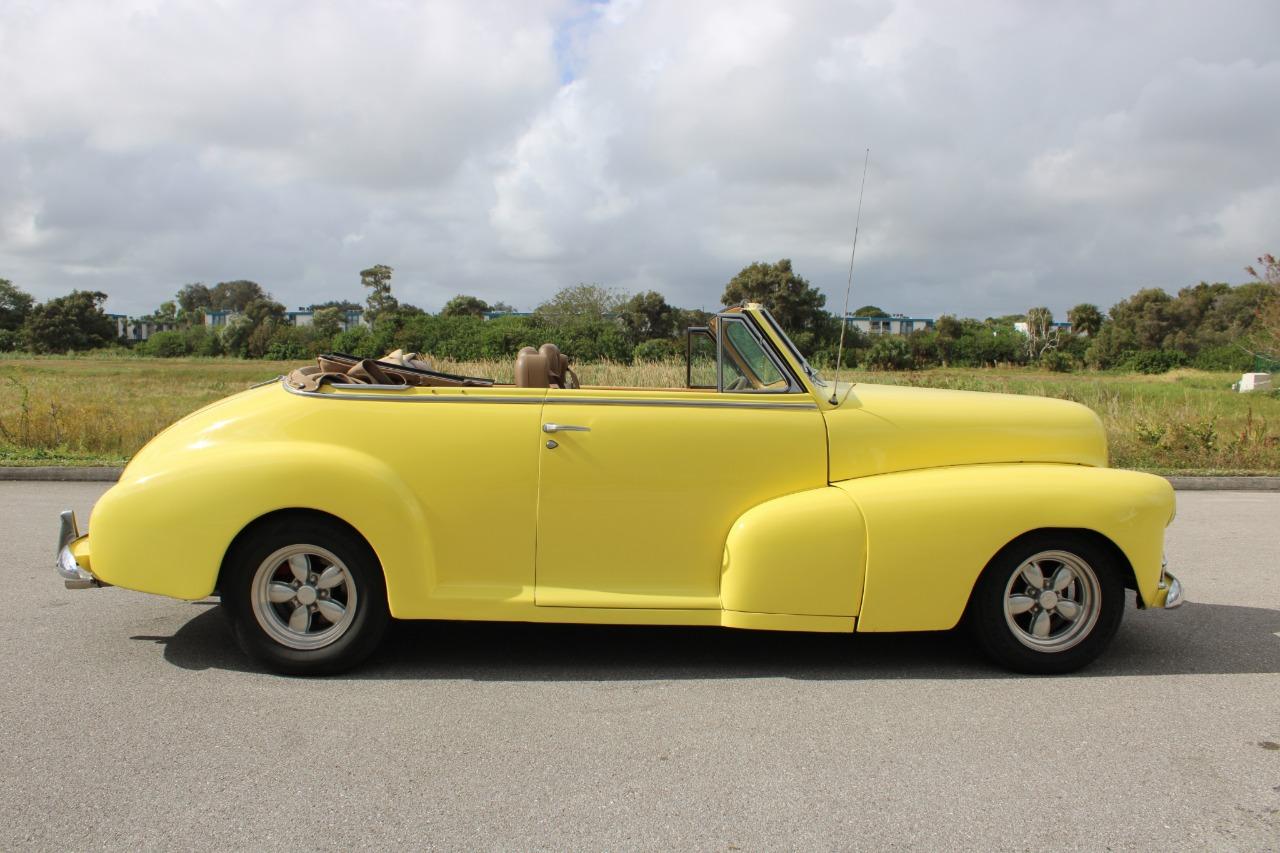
1209,326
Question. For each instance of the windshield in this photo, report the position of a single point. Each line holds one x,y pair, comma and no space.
808,368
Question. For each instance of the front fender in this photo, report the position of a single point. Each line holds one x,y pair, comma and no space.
166,529
931,532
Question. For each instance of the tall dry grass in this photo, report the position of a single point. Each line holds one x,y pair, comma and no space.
101,410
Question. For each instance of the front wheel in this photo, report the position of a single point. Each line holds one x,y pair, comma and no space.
305,597
1048,604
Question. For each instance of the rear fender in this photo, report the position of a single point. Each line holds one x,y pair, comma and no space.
167,531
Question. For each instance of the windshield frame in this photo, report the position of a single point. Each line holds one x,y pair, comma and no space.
808,369
743,364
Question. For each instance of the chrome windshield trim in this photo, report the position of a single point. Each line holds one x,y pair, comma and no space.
813,375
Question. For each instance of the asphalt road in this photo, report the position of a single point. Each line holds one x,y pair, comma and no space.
133,721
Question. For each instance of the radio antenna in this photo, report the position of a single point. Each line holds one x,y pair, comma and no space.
844,315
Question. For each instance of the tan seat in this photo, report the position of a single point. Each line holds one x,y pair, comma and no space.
558,366
532,370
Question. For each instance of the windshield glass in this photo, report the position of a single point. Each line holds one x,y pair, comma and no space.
752,354
808,368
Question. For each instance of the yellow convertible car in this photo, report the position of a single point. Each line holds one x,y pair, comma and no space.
321,505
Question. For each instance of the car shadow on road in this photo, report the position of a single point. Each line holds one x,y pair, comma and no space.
1198,639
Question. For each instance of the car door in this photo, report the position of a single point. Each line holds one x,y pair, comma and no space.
638,489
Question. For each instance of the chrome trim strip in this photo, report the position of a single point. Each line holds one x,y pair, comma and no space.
580,401
417,398
682,404
369,387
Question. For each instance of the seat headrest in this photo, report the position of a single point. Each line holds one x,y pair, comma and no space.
531,370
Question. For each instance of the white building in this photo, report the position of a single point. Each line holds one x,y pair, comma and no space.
1062,328
137,329
351,318
890,324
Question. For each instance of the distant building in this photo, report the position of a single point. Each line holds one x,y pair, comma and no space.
1063,328
493,315
351,318
138,328
890,324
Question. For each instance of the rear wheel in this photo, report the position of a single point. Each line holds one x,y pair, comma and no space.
1050,603
305,597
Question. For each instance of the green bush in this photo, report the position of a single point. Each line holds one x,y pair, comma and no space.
356,341
1154,361
659,349
1223,358
1057,361
177,343
890,352
9,340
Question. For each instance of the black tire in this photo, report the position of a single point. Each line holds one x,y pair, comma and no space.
276,555
1043,639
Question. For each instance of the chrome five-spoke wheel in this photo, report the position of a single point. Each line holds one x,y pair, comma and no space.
304,597
1051,601
305,594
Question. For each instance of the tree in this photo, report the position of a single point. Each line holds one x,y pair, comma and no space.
15,305
378,279
343,305
1085,319
72,322
870,311
949,331
796,304
1042,335
328,321
194,297
580,302
235,295
647,316
166,313
502,308
465,306
1147,316
1265,338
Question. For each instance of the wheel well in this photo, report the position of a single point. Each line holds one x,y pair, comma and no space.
1092,536
292,513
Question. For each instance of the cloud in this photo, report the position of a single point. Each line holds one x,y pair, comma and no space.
1021,154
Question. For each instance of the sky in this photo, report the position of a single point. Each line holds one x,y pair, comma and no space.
1021,154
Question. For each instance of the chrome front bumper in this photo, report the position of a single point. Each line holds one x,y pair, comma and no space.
72,573
1170,586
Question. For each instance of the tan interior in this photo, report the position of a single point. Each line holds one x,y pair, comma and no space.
531,369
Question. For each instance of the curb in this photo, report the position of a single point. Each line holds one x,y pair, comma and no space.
57,474
1225,484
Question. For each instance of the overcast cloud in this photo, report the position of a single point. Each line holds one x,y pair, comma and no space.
1022,153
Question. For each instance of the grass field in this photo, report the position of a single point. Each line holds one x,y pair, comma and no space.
96,411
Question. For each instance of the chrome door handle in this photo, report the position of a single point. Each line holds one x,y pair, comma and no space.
564,428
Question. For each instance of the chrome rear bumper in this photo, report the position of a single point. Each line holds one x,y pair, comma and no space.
72,573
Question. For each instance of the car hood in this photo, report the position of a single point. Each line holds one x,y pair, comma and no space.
882,428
